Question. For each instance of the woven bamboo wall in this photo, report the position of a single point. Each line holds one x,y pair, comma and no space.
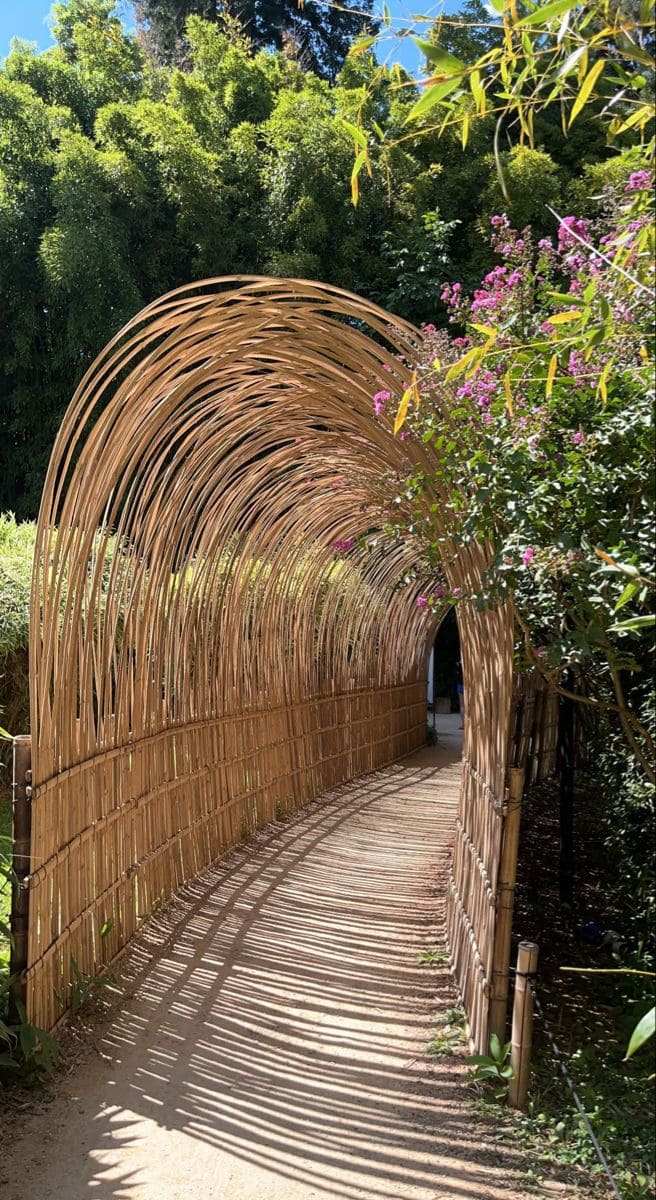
534,740
487,647
221,628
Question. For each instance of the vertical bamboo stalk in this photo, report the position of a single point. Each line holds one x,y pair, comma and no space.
522,1025
505,904
20,897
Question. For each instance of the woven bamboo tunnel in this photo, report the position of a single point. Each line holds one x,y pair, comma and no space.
221,627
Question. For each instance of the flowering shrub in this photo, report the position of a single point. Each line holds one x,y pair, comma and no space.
551,393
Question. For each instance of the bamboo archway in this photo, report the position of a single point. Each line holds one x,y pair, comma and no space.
221,627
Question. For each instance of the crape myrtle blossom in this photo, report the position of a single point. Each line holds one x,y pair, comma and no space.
640,181
379,401
343,545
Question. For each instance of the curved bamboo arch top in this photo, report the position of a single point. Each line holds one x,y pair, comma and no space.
210,536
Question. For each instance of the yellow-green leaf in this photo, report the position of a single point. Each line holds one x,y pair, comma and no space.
402,411
551,374
562,318
363,44
357,134
547,12
357,167
602,389
461,365
431,97
507,390
585,89
437,57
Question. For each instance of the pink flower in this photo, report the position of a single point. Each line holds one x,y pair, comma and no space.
422,602
379,402
578,438
528,555
344,544
456,592
569,226
404,435
439,592
639,181
430,328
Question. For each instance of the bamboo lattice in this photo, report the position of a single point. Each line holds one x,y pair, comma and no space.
221,629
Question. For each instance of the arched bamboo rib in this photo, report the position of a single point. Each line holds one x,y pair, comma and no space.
222,628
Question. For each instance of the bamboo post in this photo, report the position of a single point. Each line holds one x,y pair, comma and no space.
522,1025
20,897
505,904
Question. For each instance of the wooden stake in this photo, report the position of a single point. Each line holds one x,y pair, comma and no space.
522,1025
20,897
505,905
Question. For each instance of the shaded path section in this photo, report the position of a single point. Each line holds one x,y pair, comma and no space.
273,1046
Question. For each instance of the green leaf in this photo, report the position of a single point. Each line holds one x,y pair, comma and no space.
362,44
431,97
357,134
495,1046
437,57
634,623
628,594
585,90
643,1031
547,12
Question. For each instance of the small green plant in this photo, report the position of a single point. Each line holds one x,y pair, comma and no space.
493,1069
28,1053
85,990
429,958
449,1034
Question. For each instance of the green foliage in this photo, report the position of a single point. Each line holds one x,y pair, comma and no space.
86,991
449,1034
493,1069
316,36
120,180
27,1053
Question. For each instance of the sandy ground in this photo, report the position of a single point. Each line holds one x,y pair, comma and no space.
272,1042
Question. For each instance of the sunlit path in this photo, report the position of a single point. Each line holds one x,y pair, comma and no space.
274,1046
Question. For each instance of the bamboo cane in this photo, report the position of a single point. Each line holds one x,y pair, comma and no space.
522,1025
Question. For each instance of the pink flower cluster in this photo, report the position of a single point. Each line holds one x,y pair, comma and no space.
570,226
639,181
343,545
379,402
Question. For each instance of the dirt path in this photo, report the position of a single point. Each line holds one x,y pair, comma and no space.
274,1046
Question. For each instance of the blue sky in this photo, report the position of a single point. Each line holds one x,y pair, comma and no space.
29,19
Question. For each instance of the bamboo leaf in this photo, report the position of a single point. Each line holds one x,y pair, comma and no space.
357,167
602,389
402,410
357,134
547,12
634,623
362,45
643,1031
437,57
507,390
585,89
551,374
461,365
563,318
431,97
629,592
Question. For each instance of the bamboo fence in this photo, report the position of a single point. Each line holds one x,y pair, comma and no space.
221,627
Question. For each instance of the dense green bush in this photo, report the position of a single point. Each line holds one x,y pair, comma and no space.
16,550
